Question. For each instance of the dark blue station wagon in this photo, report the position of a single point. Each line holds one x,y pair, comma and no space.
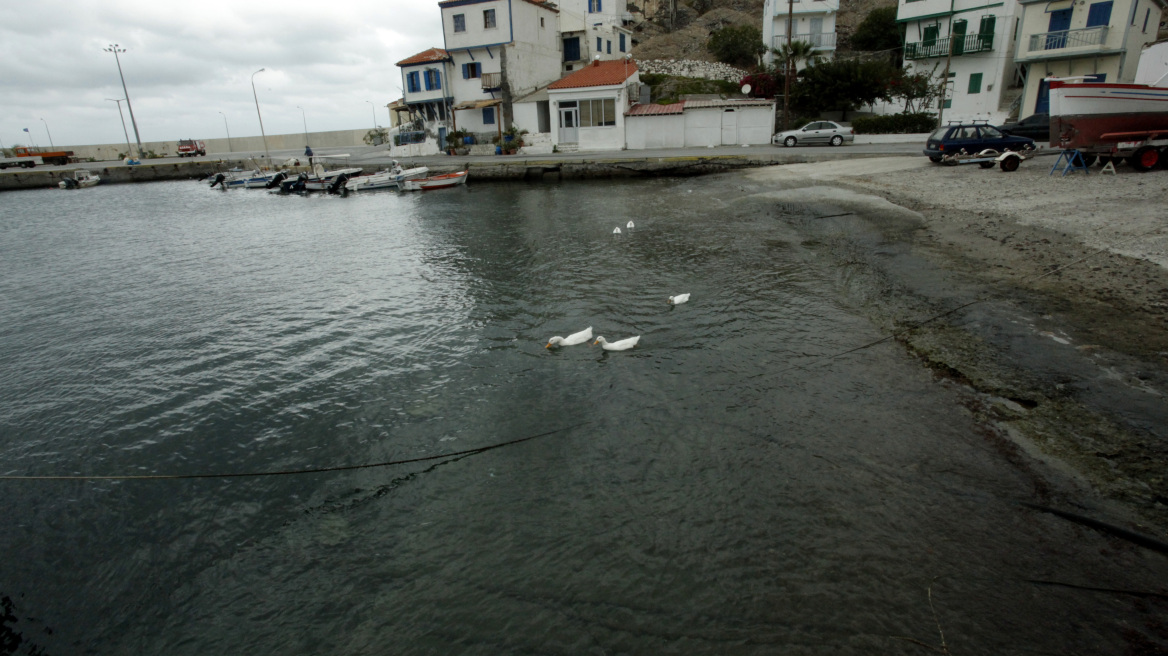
972,138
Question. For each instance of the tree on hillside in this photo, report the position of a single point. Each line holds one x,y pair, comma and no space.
841,85
737,46
880,31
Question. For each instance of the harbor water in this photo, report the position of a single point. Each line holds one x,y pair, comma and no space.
726,487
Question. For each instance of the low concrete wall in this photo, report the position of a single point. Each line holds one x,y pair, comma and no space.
295,141
40,178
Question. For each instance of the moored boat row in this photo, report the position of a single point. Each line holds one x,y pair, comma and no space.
339,181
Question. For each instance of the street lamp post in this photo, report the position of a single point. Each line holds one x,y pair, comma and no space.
303,118
129,151
229,148
257,102
48,133
115,49
374,108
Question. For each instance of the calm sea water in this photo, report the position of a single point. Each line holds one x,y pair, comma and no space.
696,495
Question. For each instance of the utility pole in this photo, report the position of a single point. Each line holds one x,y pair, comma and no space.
787,66
115,49
129,150
945,80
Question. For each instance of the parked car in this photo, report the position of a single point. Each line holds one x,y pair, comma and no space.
1036,126
972,138
816,132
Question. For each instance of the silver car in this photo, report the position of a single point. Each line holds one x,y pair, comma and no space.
816,132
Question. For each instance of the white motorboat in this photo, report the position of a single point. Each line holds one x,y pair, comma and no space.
389,179
322,180
81,179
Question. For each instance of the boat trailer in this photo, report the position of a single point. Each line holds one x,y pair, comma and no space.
1007,160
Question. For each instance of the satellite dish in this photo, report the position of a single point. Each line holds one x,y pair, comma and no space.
746,89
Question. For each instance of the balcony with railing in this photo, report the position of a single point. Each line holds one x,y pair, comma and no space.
962,45
819,41
1087,39
491,80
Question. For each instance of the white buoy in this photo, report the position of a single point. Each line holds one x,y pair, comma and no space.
616,230
630,225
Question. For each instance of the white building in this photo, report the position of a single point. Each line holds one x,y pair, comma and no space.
499,50
976,40
428,100
1064,38
813,21
700,123
593,29
588,105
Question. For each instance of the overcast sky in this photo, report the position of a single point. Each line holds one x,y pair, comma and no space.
186,62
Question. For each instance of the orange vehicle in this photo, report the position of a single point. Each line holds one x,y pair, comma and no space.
37,156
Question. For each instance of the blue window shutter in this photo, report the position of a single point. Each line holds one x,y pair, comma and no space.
622,43
599,45
488,116
465,72
429,83
437,80
609,50
598,5
1099,14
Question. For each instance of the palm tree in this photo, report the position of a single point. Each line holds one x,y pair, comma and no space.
795,52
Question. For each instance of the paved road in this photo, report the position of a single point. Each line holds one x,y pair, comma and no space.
379,155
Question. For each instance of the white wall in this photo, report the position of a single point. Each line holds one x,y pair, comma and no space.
703,127
662,131
1153,63
610,137
424,95
525,116
476,34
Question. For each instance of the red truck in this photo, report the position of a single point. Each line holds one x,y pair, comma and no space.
191,148
29,157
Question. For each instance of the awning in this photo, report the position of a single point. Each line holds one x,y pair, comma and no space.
477,104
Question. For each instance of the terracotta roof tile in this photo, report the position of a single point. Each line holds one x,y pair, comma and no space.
655,110
431,55
597,74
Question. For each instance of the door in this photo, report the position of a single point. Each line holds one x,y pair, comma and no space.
816,36
1060,22
569,124
957,33
1042,106
729,127
442,138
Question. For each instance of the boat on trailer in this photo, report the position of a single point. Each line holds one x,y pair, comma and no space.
1111,120
435,182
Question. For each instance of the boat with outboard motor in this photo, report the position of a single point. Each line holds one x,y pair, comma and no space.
80,179
435,182
388,179
322,180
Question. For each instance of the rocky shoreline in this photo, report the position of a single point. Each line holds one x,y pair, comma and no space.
1049,304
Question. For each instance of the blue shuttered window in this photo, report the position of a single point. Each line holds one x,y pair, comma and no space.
622,43
599,45
413,83
460,22
433,80
488,116
472,70
594,6
1099,14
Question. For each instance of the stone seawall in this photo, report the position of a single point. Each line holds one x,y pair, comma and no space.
41,177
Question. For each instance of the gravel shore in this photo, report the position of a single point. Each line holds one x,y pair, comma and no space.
1059,338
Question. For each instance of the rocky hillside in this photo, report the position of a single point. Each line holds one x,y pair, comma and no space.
679,29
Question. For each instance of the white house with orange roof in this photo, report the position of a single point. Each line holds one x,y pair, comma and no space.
499,50
588,105
429,99
593,29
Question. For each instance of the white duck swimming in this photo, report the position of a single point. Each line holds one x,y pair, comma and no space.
679,299
571,340
622,345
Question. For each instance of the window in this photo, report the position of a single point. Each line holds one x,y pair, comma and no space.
1098,14
472,70
974,83
597,113
930,35
433,79
608,49
412,82
488,116
599,44
622,43
594,6
1146,15
460,22
488,19
541,22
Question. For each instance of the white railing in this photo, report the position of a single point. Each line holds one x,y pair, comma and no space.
821,41
1090,36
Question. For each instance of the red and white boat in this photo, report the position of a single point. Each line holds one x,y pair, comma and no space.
1120,120
435,182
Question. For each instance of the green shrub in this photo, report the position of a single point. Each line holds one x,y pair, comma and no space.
737,45
895,124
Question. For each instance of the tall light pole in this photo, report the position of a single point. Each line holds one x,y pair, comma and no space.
303,118
115,49
787,67
129,151
257,102
229,148
374,108
48,133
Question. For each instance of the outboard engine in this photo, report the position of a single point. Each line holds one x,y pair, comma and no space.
218,180
294,186
276,180
70,183
338,186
